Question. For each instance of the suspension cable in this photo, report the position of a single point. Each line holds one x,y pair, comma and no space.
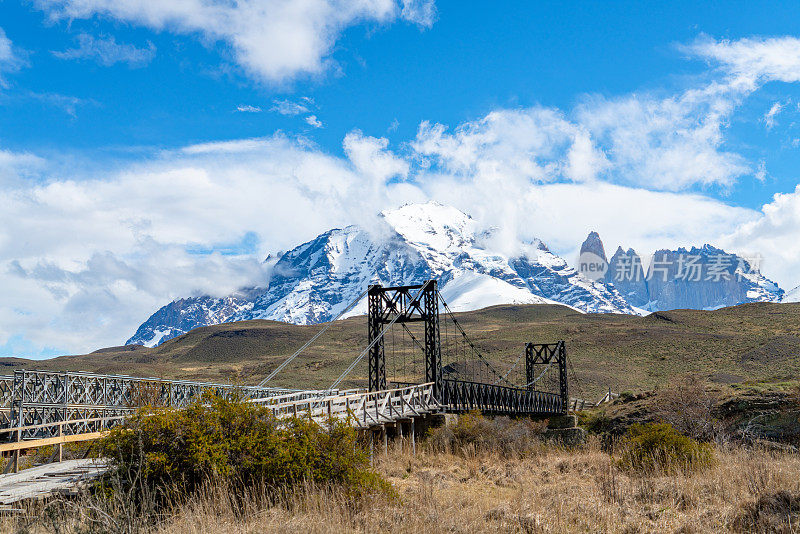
288,360
511,369
532,382
472,345
575,378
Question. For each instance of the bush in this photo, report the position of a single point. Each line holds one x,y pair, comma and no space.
476,433
688,405
658,448
179,450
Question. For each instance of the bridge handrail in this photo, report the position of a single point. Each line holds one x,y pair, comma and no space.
175,381
359,407
305,394
60,423
362,394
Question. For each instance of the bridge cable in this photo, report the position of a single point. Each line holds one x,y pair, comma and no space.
575,378
472,345
312,340
532,382
374,341
511,369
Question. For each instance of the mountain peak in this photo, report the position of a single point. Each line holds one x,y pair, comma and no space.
594,245
315,281
433,225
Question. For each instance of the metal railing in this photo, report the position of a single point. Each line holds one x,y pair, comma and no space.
36,398
364,409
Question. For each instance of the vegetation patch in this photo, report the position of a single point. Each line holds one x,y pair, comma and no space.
474,433
177,451
772,512
657,448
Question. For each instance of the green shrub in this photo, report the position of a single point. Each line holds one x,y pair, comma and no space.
179,450
658,448
474,432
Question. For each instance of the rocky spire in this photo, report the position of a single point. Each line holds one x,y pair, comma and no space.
594,244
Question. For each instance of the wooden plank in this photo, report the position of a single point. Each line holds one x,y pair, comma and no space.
60,423
44,442
45,480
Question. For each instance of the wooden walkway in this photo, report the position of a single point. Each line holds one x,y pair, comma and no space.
57,478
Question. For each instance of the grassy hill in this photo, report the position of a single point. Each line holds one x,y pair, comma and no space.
751,343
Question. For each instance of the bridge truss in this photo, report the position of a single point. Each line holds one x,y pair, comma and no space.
436,349
87,402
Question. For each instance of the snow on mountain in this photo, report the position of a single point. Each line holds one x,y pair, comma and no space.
180,316
318,279
792,296
473,291
705,278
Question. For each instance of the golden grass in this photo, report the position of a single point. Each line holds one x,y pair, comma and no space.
553,490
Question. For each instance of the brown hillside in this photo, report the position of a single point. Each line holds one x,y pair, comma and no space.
748,343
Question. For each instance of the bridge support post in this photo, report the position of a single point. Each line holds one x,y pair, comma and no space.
433,352
543,354
377,358
562,376
60,445
371,447
400,433
16,452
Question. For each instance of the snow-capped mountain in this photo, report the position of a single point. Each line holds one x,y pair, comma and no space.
317,280
704,278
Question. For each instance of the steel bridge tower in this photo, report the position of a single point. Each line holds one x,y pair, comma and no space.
404,304
544,354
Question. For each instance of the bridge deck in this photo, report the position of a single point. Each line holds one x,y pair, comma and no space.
50,479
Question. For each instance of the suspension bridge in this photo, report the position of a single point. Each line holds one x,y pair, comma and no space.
419,360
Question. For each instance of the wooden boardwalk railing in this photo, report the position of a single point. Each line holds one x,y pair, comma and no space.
363,409
576,405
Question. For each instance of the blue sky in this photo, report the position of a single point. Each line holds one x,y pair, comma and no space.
154,150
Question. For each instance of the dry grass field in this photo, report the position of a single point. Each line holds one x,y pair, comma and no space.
552,491
548,490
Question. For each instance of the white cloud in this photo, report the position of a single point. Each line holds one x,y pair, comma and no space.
6,54
272,40
68,104
562,214
668,143
421,12
246,108
769,116
100,255
537,144
773,235
14,166
371,158
106,51
10,60
312,120
287,107
761,171
751,61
